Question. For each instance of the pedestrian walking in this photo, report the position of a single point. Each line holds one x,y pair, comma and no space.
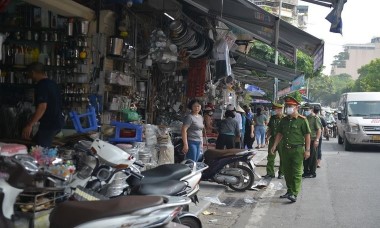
294,132
317,110
260,120
310,164
272,130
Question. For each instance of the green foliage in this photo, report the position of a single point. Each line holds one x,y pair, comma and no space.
340,59
265,52
369,77
321,90
327,89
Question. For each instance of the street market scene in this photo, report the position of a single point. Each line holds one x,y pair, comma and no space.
189,113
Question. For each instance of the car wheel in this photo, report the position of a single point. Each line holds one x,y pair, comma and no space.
347,144
340,139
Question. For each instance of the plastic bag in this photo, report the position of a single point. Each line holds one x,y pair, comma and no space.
130,115
213,199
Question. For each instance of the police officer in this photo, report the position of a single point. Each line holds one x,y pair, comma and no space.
275,119
294,132
310,164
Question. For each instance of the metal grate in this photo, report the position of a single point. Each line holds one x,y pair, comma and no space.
371,128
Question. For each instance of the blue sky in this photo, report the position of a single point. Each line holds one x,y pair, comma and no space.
361,20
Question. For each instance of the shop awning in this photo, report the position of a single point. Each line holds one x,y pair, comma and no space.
245,64
250,18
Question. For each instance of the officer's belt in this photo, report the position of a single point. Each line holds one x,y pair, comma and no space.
293,146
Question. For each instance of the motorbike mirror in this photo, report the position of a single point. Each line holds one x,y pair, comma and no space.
28,162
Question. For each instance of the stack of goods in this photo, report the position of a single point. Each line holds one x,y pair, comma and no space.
166,151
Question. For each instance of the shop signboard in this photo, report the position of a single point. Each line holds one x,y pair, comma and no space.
298,83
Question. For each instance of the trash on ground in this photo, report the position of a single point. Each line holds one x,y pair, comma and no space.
249,200
213,220
208,213
278,186
213,199
229,213
261,184
254,189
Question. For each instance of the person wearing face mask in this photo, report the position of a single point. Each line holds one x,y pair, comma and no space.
310,164
294,132
274,121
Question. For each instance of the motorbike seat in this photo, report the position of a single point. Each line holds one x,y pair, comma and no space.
74,213
212,154
170,188
161,173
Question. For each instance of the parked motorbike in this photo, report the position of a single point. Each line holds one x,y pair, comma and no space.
230,167
18,172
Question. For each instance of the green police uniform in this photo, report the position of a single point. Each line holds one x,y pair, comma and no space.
310,164
293,145
273,129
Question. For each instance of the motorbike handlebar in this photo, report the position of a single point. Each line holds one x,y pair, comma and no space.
139,163
133,173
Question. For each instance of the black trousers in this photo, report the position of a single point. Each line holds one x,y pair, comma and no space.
227,141
310,164
248,141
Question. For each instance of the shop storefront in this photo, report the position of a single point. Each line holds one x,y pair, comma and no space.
127,71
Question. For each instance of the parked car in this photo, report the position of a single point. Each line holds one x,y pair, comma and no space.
359,119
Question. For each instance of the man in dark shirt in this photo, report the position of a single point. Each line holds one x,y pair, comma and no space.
48,107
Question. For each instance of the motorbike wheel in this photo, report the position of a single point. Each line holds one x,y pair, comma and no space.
246,179
191,222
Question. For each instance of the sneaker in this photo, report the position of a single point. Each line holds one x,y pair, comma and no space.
285,195
280,176
305,175
292,198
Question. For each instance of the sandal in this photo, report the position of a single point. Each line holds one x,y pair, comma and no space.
258,147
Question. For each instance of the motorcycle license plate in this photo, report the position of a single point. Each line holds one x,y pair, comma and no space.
375,137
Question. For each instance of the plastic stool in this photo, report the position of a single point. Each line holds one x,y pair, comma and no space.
120,125
92,122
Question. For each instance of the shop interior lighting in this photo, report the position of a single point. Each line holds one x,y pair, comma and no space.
168,15
197,5
67,8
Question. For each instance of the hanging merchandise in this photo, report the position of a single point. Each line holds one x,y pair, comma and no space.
196,78
196,44
162,51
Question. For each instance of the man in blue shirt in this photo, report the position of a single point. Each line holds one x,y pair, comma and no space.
48,107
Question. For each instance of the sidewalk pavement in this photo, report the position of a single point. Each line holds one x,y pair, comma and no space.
209,189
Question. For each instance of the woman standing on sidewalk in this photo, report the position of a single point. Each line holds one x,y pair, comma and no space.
192,131
260,121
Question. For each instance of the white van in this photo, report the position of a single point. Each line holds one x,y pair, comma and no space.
359,119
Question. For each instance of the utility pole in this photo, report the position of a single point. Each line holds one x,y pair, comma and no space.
277,37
